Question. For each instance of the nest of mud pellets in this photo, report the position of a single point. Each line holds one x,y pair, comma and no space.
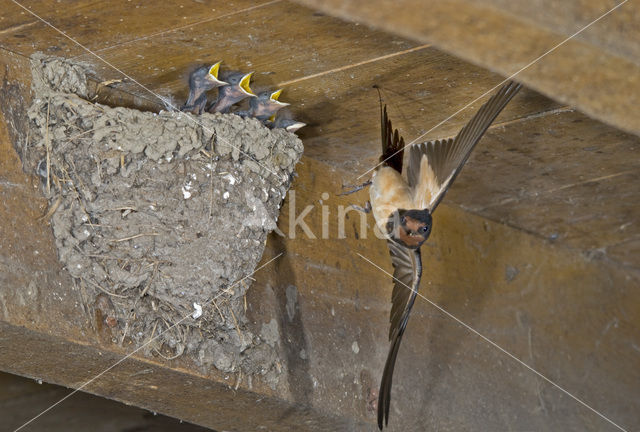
155,212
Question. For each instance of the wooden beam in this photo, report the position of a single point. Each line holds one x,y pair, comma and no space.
180,393
596,72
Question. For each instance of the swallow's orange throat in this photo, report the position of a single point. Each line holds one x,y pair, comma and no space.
410,227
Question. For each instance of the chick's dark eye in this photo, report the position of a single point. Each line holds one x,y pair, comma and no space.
424,229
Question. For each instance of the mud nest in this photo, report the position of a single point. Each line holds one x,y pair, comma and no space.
155,212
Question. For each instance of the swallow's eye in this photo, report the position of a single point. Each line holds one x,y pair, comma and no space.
424,229
403,220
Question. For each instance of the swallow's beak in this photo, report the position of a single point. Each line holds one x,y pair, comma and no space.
295,126
213,74
244,85
274,98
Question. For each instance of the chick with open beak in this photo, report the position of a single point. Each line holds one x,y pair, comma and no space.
236,89
201,81
265,106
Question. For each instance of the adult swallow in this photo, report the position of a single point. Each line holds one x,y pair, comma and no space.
201,80
237,89
403,208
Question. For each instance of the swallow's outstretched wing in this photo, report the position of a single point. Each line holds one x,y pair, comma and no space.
407,270
392,143
434,165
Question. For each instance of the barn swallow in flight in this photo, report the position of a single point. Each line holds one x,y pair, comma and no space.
402,209
237,89
201,80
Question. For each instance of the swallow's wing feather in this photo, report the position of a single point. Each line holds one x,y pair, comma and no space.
407,271
434,165
392,143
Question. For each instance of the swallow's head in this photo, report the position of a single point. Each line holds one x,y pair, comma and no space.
266,105
239,84
269,100
273,98
205,78
410,228
212,76
284,121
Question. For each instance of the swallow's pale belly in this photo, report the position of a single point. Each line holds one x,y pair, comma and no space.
388,193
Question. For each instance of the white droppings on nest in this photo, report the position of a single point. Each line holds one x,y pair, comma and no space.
197,313
230,178
225,195
186,189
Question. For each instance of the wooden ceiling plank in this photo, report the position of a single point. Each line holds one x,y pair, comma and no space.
100,25
600,78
